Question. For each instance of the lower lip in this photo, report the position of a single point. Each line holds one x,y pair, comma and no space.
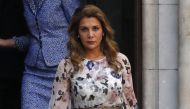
91,42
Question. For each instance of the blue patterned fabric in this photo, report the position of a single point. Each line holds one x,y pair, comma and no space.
48,22
36,88
21,42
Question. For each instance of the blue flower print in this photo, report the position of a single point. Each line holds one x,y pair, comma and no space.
89,65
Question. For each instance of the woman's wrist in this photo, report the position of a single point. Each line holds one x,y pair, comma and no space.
8,43
12,43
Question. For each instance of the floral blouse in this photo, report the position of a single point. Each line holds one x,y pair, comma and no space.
95,86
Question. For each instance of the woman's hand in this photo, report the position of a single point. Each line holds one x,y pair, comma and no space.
7,43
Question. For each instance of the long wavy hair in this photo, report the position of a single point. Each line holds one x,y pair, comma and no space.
108,46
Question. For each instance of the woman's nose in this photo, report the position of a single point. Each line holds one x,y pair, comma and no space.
91,34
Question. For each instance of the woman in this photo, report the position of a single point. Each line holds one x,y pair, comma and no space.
48,22
95,75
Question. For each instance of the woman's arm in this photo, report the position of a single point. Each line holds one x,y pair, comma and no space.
60,98
127,83
20,43
7,43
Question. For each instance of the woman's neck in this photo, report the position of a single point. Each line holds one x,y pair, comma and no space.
94,55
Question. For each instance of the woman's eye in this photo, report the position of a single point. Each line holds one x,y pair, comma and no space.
83,29
95,28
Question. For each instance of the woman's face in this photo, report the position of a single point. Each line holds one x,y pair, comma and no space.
90,33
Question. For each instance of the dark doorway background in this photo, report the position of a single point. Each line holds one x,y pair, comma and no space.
125,17
11,60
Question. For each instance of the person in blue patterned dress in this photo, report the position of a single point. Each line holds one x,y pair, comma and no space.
48,22
95,75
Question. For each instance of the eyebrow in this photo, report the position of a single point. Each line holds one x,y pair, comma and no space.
92,26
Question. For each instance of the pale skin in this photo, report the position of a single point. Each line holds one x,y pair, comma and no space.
7,43
90,34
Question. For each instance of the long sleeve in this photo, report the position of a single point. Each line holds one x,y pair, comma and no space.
127,83
69,7
60,98
22,42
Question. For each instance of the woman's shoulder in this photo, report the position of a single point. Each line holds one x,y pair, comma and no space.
65,64
123,59
122,56
65,60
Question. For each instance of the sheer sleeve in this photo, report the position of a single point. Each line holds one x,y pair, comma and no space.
60,98
127,83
